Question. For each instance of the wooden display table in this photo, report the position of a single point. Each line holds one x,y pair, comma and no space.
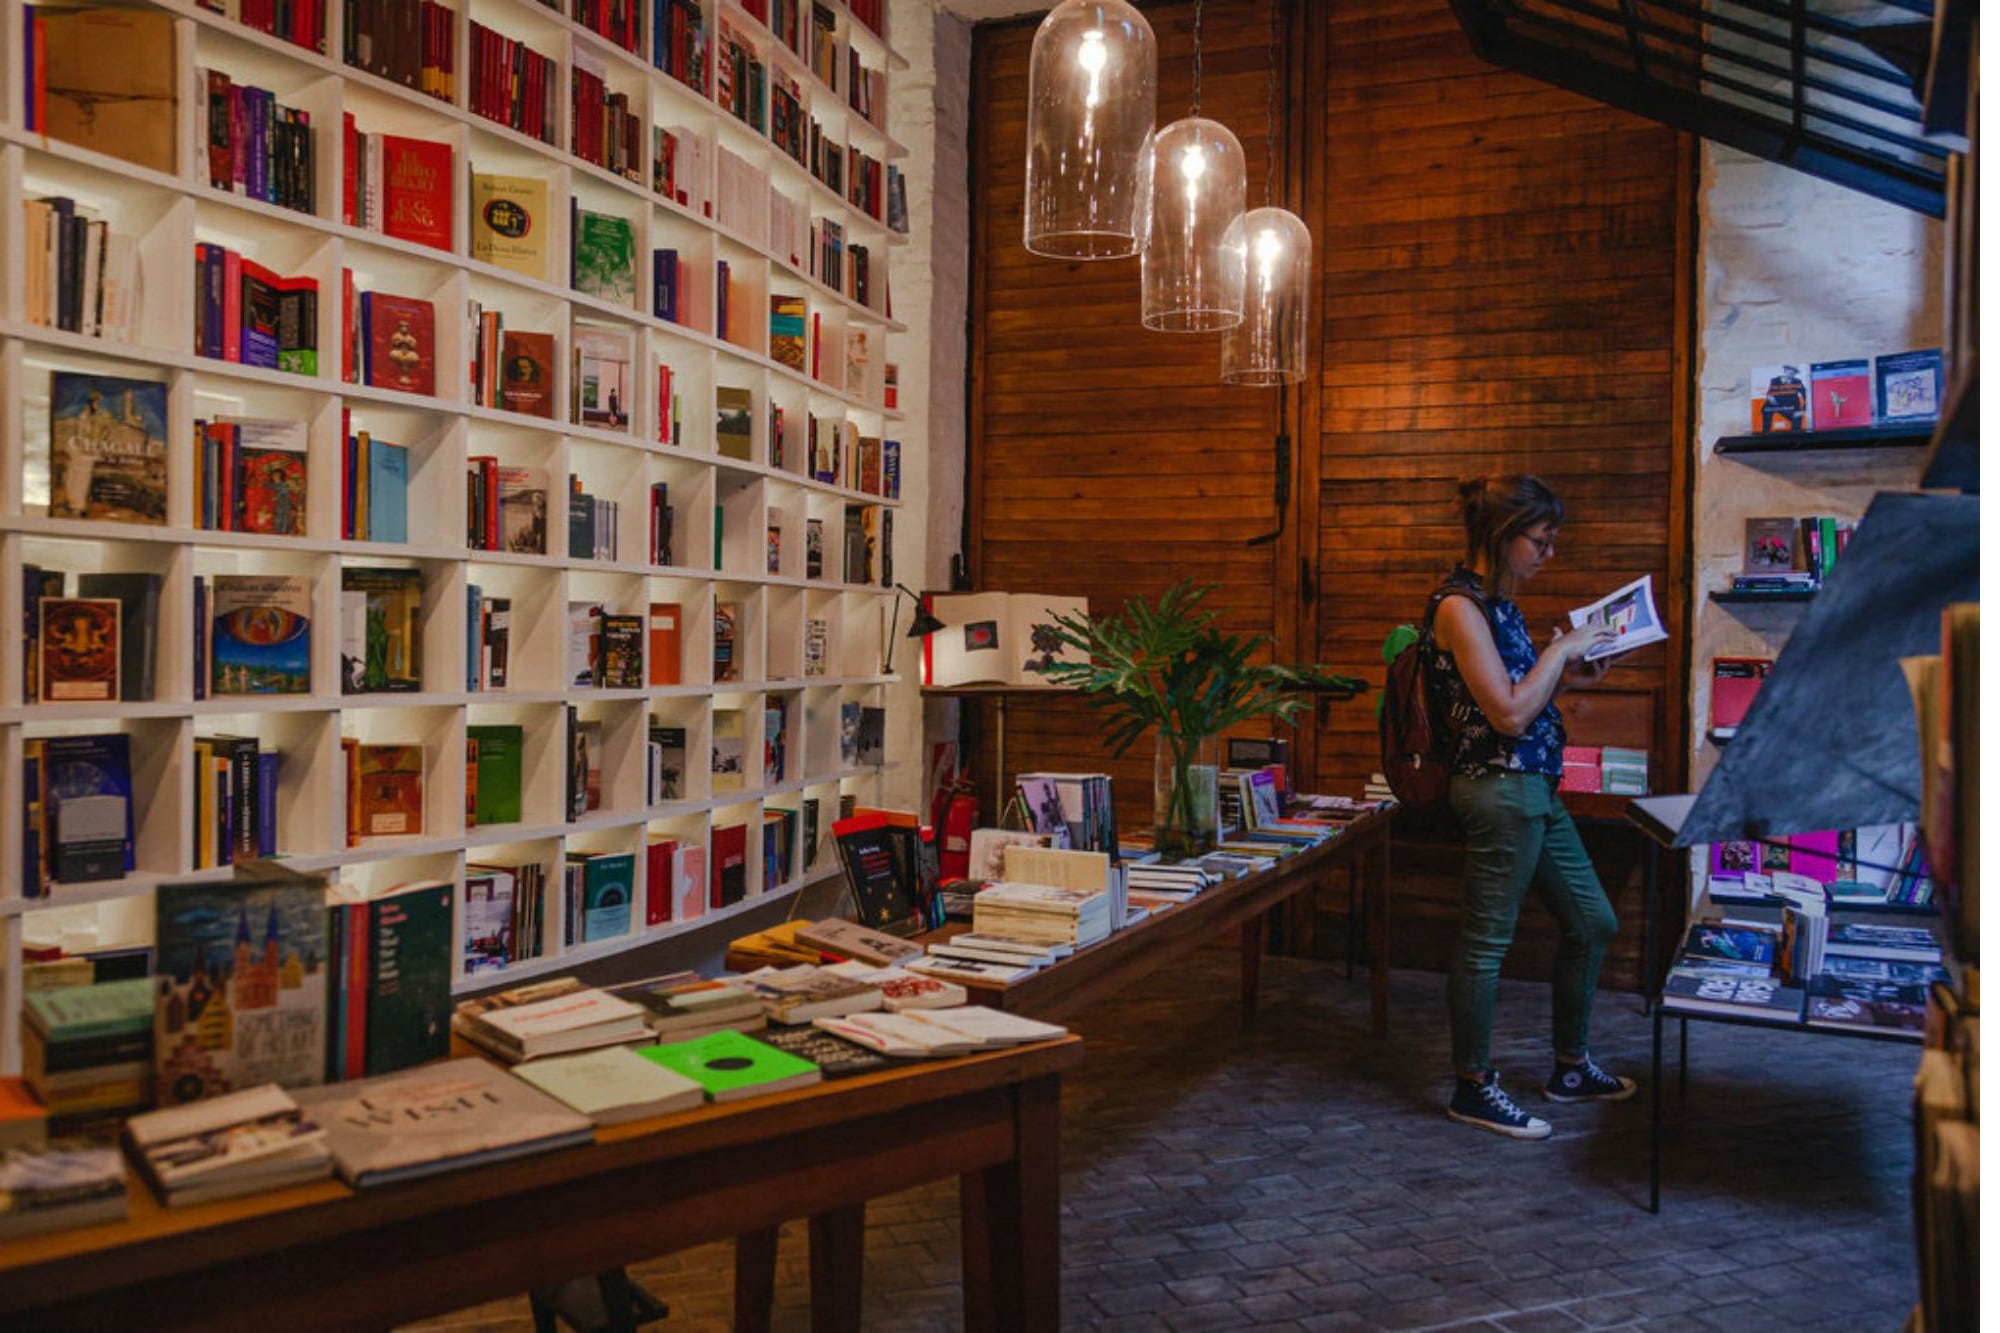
1063,988
323,1256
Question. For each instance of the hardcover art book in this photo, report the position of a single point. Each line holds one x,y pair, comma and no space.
732,422
524,510
261,634
381,640
1909,386
86,784
1778,399
389,790
240,986
1843,395
1770,545
80,649
437,1117
528,373
399,337
107,448
602,377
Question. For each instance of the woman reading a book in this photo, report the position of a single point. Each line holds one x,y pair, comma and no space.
1507,743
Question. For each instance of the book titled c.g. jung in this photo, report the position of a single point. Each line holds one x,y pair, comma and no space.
239,986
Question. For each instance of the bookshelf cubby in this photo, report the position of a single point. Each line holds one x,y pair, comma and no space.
807,640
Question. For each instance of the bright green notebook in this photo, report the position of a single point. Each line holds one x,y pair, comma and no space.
496,795
729,1065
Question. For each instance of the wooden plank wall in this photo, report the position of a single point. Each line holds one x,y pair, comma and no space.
1503,282
1503,265
1107,460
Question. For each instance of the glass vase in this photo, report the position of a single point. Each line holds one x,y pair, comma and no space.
1186,818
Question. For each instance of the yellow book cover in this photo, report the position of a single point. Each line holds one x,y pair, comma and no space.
510,223
110,81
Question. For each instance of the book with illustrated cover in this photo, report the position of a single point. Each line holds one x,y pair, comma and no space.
510,224
81,657
381,632
774,740
733,407
816,640
238,1143
488,917
667,748
604,908
240,985
729,865
399,341
621,652
524,510
261,634
726,751
1909,386
1843,395
438,1117
1778,399
601,377
1766,997
1630,615
997,638
61,1183
1770,545
107,448
389,790
528,373
788,331
835,1056
603,255
728,650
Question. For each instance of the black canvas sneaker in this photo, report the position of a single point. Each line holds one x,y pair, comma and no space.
1485,1105
1585,1082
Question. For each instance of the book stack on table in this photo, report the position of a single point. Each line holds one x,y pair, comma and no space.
87,1051
1830,974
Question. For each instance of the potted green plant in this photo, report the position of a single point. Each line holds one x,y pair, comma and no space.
1163,666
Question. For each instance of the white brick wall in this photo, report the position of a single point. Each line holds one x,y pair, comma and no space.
1793,269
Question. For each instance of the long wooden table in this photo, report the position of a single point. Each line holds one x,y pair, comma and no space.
1103,969
322,1256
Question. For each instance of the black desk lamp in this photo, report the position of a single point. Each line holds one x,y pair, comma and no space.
923,623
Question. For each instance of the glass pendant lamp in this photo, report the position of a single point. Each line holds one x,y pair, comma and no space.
1269,346
1190,281
1092,80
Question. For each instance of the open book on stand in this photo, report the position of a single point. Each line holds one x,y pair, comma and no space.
996,638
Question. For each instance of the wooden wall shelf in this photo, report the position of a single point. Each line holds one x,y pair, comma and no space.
1912,436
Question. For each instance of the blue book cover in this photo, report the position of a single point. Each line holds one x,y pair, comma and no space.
388,492
892,469
607,896
89,810
262,642
267,802
1908,386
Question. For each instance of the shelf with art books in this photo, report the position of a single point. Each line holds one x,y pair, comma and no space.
1761,596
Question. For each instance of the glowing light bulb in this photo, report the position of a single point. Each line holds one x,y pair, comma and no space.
1091,57
1269,247
1193,163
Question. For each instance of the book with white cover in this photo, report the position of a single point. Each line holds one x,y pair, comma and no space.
984,854
241,1142
1048,899
803,993
572,1022
993,1027
612,1085
997,638
1629,613
978,939
1057,866
900,1034
904,990
437,1117
959,969
972,952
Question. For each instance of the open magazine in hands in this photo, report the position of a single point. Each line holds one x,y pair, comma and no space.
1628,613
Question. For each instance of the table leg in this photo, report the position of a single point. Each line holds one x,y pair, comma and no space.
1353,896
1684,1058
1653,1207
756,1275
1253,958
1650,924
1378,944
1011,1223
834,1245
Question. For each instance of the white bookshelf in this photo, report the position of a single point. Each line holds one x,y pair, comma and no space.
168,213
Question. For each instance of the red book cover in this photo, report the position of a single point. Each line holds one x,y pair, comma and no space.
347,370
274,491
232,305
218,130
1734,684
402,344
355,1057
416,190
659,881
729,864
348,167
527,373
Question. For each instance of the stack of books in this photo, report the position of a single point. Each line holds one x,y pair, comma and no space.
1604,768
793,995
71,1182
238,1143
941,1032
902,989
87,1051
1041,912
1829,974
548,1018
977,947
681,1010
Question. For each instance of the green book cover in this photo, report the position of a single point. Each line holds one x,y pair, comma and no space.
409,978
79,1013
729,1065
603,255
496,796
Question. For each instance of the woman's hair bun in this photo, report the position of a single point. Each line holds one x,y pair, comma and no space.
1473,489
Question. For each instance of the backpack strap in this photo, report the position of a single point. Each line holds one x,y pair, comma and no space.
1451,588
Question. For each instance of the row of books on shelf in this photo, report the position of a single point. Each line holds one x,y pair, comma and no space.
1874,865
512,84
605,128
248,315
394,185
256,147
1781,554
408,44
79,275
1810,968
1890,389
1613,769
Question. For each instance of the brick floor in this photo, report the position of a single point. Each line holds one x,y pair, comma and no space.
1301,1175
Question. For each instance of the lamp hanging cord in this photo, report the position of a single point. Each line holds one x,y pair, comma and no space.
1271,107
1197,59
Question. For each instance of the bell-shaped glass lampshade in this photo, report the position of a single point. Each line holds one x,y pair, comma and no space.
1190,281
1269,346
1091,86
